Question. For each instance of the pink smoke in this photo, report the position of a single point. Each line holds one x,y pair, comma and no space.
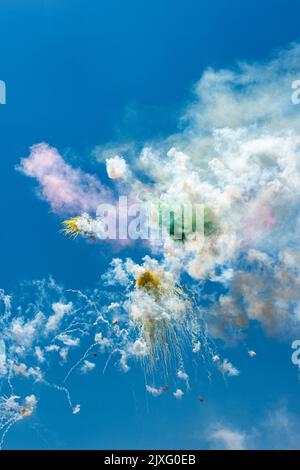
67,190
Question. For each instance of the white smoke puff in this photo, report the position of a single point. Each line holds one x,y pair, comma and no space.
225,277
94,228
87,366
155,392
123,362
117,273
76,410
135,270
36,373
6,299
31,401
183,376
116,167
84,224
20,369
103,342
113,306
123,271
258,256
174,306
178,394
11,403
171,153
39,354
64,353
60,310
139,348
3,368
142,305
228,369
252,353
52,347
290,259
90,227
28,408
23,333
68,340
197,347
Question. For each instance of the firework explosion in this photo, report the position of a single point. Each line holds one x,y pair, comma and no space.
242,166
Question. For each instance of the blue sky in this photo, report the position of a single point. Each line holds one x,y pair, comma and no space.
81,74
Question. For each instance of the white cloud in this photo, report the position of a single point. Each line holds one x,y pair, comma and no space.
227,438
280,429
277,429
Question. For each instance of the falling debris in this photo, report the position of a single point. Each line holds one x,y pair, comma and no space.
201,399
